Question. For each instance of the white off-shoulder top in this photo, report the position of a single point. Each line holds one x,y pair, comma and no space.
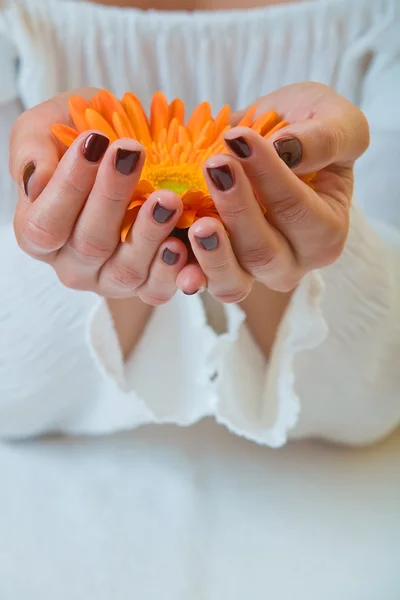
335,367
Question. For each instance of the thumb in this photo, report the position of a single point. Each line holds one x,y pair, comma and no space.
34,151
313,144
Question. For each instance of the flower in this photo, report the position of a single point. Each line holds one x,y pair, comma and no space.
175,152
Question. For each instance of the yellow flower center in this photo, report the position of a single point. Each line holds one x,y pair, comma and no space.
178,179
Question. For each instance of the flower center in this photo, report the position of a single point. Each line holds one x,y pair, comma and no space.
178,179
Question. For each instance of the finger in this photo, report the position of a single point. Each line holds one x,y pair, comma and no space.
191,279
44,226
291,206
98,229
226,280
128,269
324,129
34,151
260,249
161,283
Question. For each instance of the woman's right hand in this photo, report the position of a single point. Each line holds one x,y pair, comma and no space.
70,211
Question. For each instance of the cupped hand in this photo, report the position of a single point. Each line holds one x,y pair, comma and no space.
70,211
304,228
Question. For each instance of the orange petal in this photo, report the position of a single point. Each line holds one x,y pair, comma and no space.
65,134
247,119
187,219
129,220
135,204
177,111
107,104
198,118
192,198
143,187
172,135
96,121
280,125
307,178
159,113
222,120
123,126
137,117
77,109
266,122
183,137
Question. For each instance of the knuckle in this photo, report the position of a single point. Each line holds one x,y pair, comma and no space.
290,211
126,276
233,296
115,195
154,299
42,235
91,249
71,279
259,257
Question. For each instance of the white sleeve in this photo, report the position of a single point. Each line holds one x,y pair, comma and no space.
334,370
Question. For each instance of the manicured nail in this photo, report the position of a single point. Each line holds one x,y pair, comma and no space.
28,172
126,161
161,214
191,293
95,146
222,177
208,243
290,151
239,146
169,257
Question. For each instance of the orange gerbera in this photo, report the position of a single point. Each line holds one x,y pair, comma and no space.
175,152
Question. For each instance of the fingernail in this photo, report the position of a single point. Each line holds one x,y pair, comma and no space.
169,257
191,293
222,177
28,172
126,161
239,146
290,151
95,146
161,214
208,243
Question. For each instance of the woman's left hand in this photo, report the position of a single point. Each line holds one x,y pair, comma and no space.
304,228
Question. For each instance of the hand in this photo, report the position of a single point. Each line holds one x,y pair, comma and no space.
303,228
70,212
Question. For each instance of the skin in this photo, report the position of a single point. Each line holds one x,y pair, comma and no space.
72,214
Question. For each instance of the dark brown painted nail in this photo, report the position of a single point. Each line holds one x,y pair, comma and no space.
290,151
169,257
222,177
239,146
208,243
190,293
161,214
126,161
95,146
28,172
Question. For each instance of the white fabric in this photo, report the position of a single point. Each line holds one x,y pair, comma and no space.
334,369
168,513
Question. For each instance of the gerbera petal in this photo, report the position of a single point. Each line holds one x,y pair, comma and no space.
123,126
177,111
96,121
247,118
277,127
159,112
107,104
77,109
172,135
198,118
137,117
65,134
192,198
136,203
266,122
143,187
187,219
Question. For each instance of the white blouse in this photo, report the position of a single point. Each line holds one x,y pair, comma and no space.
334,370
